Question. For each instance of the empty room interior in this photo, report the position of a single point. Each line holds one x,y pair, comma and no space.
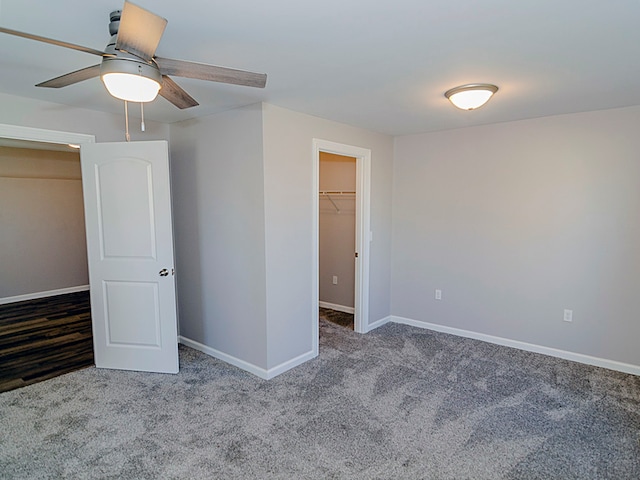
322,260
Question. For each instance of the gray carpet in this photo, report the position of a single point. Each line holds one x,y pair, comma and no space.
334,316
399,403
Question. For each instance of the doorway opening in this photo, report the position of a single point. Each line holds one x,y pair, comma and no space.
337,238
44,241
360,253
48,324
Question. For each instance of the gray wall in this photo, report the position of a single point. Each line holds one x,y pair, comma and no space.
243,195
337,230
42,237
218,211
289,196
516,222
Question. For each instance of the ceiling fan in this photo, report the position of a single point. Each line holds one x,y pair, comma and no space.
130,69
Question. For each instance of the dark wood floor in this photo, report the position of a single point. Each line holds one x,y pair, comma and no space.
44,338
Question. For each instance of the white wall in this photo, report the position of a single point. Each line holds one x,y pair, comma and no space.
289,194
337,230
42,238
518,221
106,127
218,202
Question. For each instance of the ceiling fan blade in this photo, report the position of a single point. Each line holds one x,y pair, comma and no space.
71,78
213,73
51,41
140,31
175,94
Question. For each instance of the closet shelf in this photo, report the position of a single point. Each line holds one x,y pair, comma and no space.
336,193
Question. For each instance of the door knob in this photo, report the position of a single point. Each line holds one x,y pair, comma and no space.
164,272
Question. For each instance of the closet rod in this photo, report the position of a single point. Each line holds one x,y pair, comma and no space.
336,192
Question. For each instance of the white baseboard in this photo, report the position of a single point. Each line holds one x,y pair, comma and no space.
377,323
246,366
337,308
289,364
529,347
48,293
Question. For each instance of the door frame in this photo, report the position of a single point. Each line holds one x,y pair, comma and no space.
16,132
363,230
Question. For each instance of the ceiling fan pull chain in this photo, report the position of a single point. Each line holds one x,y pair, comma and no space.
126,121
141,103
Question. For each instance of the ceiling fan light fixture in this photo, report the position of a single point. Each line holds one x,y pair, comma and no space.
472,96
131,88
130,80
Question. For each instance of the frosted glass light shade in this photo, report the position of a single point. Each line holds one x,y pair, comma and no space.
133,88
470,97
130,79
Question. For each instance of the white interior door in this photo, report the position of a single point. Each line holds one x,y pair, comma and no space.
130,251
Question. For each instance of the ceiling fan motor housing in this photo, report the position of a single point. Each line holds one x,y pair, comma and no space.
132,65
118,61
114,22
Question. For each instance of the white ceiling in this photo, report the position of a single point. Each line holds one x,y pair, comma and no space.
381,65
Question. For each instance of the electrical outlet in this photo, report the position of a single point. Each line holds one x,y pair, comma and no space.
335,279
438,294
568,315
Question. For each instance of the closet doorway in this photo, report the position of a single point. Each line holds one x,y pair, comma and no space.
360,208
337,238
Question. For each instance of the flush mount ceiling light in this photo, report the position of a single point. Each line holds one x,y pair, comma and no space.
131,79
472,96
